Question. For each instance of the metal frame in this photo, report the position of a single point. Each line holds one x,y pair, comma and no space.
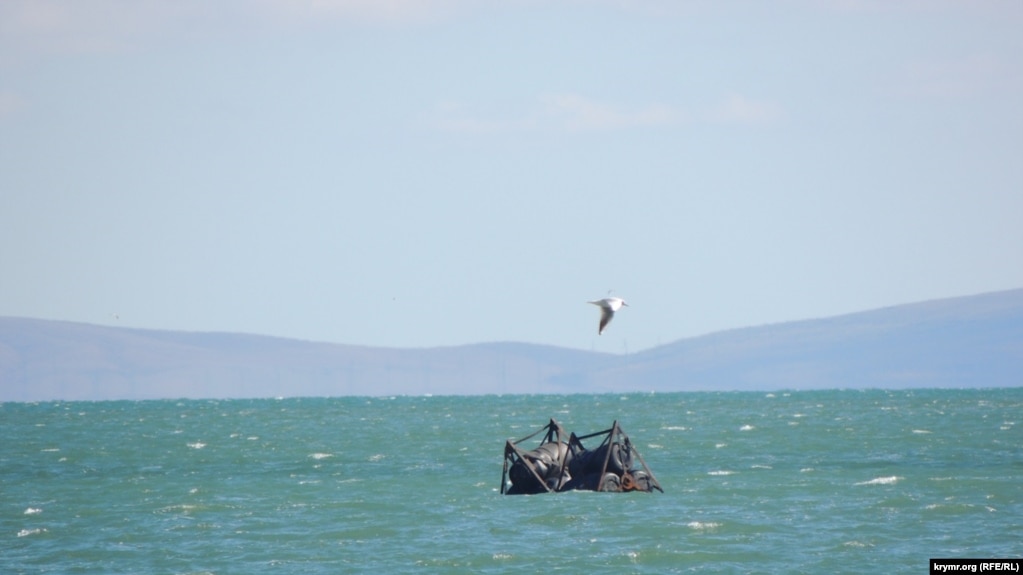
511,450
554,434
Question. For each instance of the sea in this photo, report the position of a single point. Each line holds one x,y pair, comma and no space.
838,481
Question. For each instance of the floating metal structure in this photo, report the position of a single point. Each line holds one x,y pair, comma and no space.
562,463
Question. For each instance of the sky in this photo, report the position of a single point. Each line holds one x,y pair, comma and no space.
429,173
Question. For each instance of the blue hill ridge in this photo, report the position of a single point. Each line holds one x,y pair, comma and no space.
972,341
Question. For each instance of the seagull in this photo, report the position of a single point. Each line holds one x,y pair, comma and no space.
608,307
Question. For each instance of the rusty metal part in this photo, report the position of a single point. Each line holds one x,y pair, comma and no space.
559,465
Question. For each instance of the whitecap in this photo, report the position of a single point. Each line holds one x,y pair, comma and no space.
700,525
881,481
921,431
33,511
747,427
183,508
376,457
721,472
27,532
675,428
197,445
321,455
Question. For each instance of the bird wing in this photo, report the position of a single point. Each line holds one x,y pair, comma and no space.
605,318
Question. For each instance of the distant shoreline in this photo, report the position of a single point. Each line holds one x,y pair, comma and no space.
966,342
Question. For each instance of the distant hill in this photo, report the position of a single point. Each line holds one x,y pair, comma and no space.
974,341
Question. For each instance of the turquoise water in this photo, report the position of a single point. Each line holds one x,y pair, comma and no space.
801,482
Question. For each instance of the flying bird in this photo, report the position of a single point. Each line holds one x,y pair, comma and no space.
608,307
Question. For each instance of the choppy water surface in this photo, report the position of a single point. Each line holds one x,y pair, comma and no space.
815,482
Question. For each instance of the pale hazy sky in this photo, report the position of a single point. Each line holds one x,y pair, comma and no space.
423,173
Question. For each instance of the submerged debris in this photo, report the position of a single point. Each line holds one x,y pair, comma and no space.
564,465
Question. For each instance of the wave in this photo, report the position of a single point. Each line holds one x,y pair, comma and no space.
882,481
